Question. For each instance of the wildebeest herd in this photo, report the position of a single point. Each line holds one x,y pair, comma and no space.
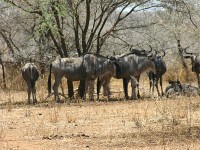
128,67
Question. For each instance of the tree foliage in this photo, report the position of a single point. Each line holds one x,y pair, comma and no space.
67,27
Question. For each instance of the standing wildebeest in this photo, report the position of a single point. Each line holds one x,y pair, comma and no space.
105,80
129,67
30,74
155,77
195,64
87,67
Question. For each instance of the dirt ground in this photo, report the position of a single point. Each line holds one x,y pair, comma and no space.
145,124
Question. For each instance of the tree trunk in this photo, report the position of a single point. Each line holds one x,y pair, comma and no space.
181,50
3,75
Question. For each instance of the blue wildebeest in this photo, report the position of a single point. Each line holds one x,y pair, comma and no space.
105,80
84,68
177,88
174,88
129,67
30,74
195,64
155,77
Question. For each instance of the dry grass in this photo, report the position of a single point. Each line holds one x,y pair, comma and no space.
144,124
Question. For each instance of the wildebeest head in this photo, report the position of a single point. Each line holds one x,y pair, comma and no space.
176,85
194,59
133,64
191,55
159,63
111,65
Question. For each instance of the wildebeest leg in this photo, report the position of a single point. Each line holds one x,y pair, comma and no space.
99,84
125,86
70,89
105,82
133,85
81,88
198,78
34,95
150,83
91,90
55,88
151,87
156,84
106,88
85,89
29,93
161,86
138,90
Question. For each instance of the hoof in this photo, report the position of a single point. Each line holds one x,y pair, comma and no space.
35,102
134,98
127,97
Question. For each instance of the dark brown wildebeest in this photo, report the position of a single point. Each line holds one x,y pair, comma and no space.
155,77
195,64
84,68
129,67
30,74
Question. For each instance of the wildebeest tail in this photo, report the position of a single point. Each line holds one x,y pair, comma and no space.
32,77
49,79
118,69
98,87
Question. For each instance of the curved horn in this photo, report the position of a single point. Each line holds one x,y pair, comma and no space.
151,49
130,48
163,53
187,52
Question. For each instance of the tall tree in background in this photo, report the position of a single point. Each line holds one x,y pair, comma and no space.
92,22
80,26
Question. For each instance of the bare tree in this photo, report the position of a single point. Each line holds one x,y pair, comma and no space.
92,22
